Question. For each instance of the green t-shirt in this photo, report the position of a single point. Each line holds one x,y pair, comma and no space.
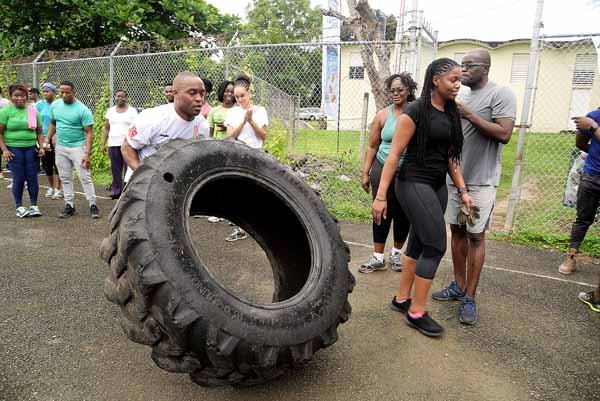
216,118
17,133
70,120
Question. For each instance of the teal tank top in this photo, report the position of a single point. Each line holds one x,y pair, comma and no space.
387,133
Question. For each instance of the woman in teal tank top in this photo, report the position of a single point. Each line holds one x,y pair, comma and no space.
401,90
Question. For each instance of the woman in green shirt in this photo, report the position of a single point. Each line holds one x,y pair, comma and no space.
20,132
217,115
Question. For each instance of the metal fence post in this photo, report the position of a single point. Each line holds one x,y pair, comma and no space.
294,124
34,82
363,126
529,88
111,73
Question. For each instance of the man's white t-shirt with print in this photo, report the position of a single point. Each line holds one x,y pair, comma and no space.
119,124
235,117
161,124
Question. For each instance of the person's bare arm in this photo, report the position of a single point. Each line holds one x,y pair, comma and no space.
586,125
105,134
456,176
235,132
582,142
405,129
500,129
371,152
51,133
261,132
131,156
40,141
6,154
87,150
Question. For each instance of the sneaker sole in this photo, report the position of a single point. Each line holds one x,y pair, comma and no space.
467,323
235,239
590,305
396,309
445,299
566,273
374,269
396,268
424,332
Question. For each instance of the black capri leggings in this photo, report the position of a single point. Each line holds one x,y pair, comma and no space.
425,206
394,211
48,162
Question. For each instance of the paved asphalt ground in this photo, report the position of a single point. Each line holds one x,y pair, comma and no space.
60,339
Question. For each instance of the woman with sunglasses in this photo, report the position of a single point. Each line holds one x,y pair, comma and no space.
401,90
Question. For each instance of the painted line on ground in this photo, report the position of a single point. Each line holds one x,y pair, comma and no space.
76,192
503,269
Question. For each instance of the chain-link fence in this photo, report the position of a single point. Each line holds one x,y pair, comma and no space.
321,97
565,85
326,143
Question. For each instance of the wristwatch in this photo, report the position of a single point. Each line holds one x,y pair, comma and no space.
462,190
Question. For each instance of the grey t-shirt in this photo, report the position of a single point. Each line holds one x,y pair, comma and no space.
482,155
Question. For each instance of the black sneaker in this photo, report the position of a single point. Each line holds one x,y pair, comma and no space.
400,306
94,212
68,212
426,325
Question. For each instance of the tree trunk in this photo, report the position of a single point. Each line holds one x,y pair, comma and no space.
366,27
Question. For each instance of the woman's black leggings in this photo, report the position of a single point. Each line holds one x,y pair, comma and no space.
425,206
394,211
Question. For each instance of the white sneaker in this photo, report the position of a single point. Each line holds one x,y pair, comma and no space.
58,194
214,219
396,262
49,193
9,186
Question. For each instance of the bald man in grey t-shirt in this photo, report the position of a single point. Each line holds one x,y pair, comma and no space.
488,114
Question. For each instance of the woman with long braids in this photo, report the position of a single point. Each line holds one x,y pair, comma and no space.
430,132
247,123
401,90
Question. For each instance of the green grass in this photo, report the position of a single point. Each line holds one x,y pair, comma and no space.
541,218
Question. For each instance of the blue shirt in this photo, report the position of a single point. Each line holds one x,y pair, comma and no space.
592,162
70,120
43,108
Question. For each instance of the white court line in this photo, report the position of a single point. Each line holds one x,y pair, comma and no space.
76,192
503,269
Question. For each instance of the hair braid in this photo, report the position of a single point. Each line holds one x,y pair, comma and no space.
437,68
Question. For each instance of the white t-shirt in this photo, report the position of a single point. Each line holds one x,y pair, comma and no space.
119,124
4,102
236,115
158,125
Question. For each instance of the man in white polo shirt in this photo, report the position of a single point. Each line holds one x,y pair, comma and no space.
158,125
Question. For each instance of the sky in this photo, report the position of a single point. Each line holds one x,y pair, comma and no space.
482,19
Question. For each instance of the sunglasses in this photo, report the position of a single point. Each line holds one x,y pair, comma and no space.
468,66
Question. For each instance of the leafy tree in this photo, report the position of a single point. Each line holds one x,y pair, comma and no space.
295,70
282,21
29,26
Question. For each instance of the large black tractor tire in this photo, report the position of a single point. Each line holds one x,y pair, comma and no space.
171,302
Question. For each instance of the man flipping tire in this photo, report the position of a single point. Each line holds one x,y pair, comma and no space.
171,302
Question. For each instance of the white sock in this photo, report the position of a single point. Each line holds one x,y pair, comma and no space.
378,256
395,251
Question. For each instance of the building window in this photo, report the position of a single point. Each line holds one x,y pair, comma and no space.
357,70
458,57
519,67
584,71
